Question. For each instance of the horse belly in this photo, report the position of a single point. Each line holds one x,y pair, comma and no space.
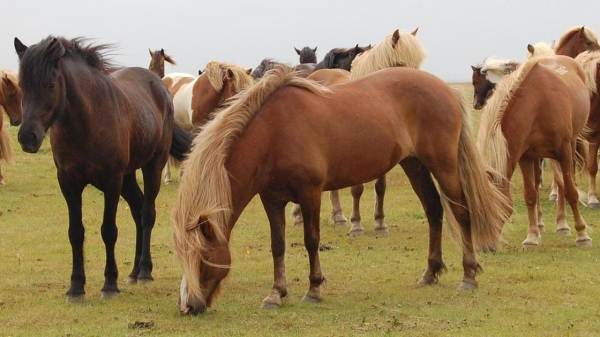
182,104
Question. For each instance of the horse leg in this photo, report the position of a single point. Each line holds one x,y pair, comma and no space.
71,191
132,193
311,206
553,189
112,191
422,184
297,215
592,172
572,196
380,186
537,171
276,213
337,214
356,228
151,173
1,176
167,173
562,226
531,200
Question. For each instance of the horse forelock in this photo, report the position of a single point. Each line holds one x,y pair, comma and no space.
215,71
408,52
491,141
204,195
495,69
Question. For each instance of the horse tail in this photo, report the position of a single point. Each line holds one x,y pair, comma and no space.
181,144
487,205
6,149
204,195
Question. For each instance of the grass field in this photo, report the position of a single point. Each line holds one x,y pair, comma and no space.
371,283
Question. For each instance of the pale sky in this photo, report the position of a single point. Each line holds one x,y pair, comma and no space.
455,34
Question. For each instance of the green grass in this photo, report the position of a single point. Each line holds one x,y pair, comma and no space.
371,283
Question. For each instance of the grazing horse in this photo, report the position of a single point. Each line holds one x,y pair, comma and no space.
307,55
525,121
251,148
104,125
396,50
157,62
10,102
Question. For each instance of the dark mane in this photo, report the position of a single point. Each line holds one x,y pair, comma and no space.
96,56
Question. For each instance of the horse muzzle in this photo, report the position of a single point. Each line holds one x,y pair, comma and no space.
30,140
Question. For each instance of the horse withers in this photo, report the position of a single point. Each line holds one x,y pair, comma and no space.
104,125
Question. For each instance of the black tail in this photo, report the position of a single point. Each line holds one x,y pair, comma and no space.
182,142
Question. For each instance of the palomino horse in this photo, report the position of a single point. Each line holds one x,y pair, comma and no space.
396,50
525,121
157,62
307,55
251,148
572,43
99,137
10,102
190,95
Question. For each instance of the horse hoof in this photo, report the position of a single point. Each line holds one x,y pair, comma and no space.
357,232
144,281
584,243
553,197
467,286
131,280
310,299
424,282
563,232
75,298
382,230
109,295
594,205
530,245
299,222
270,305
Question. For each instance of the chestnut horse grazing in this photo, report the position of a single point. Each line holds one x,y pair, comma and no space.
10,102
251,148
104,125
525,121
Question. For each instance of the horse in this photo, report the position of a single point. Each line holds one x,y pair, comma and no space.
307,55
157,62
525,121
250,148
487,75
577,40
104,125
10,102
329,77
396,50
540,48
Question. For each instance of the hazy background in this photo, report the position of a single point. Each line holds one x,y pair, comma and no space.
455,34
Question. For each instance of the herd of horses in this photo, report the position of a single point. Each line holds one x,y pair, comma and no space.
288,133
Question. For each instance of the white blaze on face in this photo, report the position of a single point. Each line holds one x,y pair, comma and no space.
183,296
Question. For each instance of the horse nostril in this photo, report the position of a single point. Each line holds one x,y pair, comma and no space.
195,310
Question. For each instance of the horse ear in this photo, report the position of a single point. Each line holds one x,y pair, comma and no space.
297,51
228,75
414,32
150,51
475,69
20,48
553,44
199,72
582,31
249,71
162,52
57,48
314,50
395,37
530,49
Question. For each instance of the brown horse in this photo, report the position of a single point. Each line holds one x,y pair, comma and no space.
99,137
525,121
10,102
251,148
577,40
307,55
157,62
486,76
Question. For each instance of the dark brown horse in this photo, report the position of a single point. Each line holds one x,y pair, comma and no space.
251,148
104,125
486,76
307,55
157,62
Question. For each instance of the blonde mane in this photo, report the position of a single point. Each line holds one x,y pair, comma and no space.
204,195
215,71
495,69
407,52
589,34
541,48
12,77
589,61
491,141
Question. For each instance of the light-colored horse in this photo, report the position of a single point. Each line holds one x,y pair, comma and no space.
10,102
525,121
